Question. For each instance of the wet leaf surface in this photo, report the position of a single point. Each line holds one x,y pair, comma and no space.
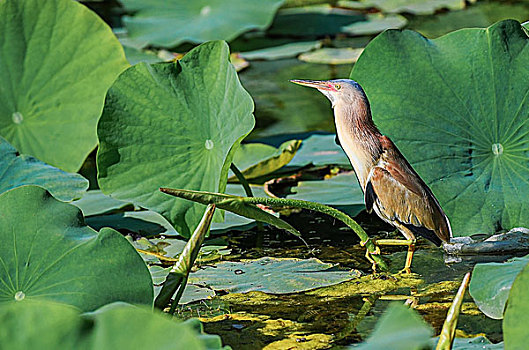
332,56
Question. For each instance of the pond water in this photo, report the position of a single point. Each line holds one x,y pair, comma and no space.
345,313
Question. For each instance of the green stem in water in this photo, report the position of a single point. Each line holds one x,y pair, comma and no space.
322,208
177,278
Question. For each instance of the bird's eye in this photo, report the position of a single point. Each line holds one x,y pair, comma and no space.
337,86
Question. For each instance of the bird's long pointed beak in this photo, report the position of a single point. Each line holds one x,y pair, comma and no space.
317,84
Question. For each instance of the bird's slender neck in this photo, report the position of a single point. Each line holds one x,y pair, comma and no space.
358,135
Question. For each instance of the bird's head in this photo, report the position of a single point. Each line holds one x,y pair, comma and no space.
338,91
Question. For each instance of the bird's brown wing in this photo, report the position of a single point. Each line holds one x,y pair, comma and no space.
400,195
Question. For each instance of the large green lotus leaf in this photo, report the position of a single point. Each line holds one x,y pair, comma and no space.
271,275
517,313
49,325
259,159
173,125
491,283
169,23
400,328
456,107
320,150
56,63
48,253
19,170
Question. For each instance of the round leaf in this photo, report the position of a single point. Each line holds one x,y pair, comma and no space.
57,60
400,328
48,325
169,23
491,283
173,125
49,253
19,170
456,107
271,275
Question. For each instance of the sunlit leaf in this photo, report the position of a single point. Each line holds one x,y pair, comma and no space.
281,51
173,125
375,24
320,150
330,55
491,283
19,170
169,23
57,60
258,159
342,189
50,254
271,275
445,104
417,7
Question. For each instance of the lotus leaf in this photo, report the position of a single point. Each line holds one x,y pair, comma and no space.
258,159
456,107
49,325
56,63
375,24
271,275
491,284
399,328
169,23
19,170
320,150
517,313
281,51
173,125
48,253
331,55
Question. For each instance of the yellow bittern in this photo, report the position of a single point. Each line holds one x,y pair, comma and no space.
391,187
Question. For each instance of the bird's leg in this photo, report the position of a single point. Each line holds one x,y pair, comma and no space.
409,257
407,242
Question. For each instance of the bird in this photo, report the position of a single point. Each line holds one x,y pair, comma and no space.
391,187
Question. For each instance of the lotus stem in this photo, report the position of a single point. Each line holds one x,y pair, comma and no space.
325,209
177,278
446,338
